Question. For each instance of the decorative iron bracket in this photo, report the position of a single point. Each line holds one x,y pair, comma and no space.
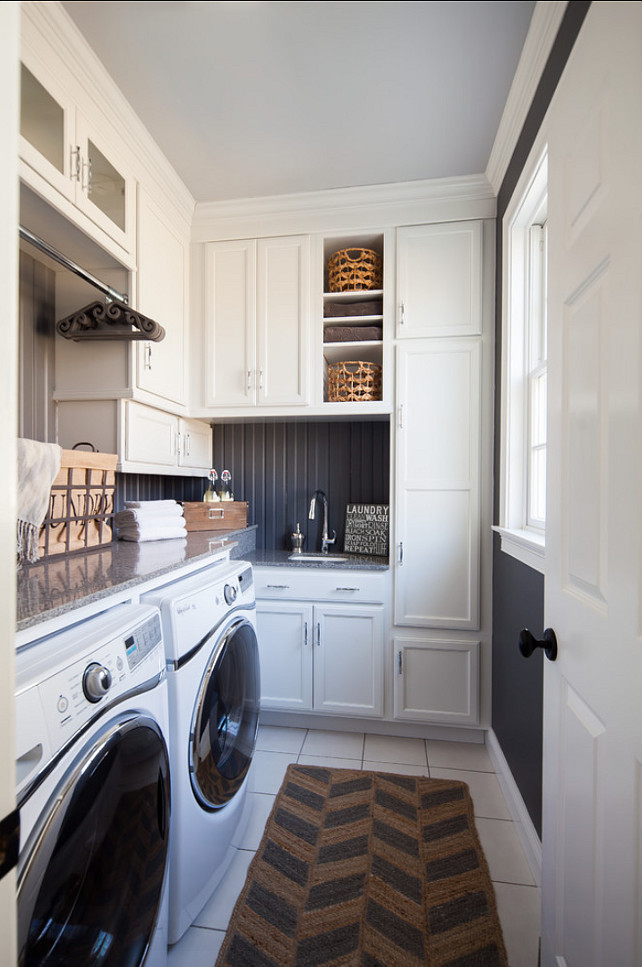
112,321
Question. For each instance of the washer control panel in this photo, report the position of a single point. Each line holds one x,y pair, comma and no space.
71,696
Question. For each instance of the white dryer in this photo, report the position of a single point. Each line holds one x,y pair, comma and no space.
209,627
93,791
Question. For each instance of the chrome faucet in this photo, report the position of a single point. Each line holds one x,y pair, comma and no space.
325,540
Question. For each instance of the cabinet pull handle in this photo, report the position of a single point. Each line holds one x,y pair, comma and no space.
305,634
75,163
178,444
402,314
148,356
86,185
400,420
260,379
187,445
400,664
347,589
318,634
249,379
401,553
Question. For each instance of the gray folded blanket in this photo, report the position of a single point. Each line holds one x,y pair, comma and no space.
352,333
38,465
373,307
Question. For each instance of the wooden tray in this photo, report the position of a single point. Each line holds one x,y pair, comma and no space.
216,516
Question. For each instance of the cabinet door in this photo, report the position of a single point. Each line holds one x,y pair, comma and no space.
284,632
47,129
438,502
106,192
150,435
162,295
194,444
437,681
283,295
230,323
439,272
348,659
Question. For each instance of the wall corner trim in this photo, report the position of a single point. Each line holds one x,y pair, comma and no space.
545,23
524,825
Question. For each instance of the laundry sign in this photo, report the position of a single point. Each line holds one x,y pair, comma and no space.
366,529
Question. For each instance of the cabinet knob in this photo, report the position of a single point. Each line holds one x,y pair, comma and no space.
528,643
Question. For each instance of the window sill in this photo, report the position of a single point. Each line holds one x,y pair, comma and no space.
524,546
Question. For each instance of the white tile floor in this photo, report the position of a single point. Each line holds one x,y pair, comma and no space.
518,898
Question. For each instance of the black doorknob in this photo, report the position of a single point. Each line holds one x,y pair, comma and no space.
528,644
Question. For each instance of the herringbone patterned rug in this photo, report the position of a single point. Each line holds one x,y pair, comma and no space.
366,869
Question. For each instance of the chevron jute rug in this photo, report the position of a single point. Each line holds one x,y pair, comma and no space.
366,869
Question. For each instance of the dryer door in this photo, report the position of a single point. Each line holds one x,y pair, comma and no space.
90,878
226,717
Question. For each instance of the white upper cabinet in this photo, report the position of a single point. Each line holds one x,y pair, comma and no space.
69,158
439,280
257,322
162,295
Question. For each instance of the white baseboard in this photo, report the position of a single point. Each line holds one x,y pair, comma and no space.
523,822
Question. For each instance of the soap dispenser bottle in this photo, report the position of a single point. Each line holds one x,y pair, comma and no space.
297,539
210,494
226,486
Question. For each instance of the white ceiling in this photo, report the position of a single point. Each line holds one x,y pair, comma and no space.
268,98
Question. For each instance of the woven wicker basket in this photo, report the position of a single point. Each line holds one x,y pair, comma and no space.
352,269
81,504
354,382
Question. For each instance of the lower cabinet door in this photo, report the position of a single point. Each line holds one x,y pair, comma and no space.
437,681
284,632
348,659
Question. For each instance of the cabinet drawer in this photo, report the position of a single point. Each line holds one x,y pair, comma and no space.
317,584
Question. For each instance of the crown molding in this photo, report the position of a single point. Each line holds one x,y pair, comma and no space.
545,23
363,207
57,30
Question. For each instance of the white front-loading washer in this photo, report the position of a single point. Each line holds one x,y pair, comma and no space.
209,627
93,793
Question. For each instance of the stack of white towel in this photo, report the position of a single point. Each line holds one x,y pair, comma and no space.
150,520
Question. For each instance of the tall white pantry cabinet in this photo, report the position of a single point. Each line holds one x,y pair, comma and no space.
442,469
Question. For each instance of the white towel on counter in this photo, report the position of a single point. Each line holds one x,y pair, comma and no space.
155,508
38,465
133,525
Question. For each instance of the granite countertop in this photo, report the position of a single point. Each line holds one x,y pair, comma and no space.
361,562
66,582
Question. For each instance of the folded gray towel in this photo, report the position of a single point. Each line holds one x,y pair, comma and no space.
38,464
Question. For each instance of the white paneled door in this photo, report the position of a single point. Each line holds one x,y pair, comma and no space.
592,854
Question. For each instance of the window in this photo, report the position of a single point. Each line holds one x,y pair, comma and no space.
524,349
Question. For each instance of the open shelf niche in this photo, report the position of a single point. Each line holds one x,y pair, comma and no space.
352,319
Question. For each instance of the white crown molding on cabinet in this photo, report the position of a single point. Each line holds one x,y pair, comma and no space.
346,209
547,17
58,31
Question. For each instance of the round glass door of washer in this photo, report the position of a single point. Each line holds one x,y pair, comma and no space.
226,717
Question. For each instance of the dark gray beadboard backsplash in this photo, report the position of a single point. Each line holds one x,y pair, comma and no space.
277,467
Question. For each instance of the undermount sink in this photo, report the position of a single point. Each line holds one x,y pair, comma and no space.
309,556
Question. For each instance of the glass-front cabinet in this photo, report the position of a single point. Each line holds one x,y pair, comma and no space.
63,151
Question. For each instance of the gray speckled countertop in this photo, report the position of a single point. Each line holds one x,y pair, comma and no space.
361,562
66,582
62,584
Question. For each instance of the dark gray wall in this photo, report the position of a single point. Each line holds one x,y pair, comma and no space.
277,467
36,418
518,591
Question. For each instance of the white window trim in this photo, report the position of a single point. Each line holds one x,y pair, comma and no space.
519,541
